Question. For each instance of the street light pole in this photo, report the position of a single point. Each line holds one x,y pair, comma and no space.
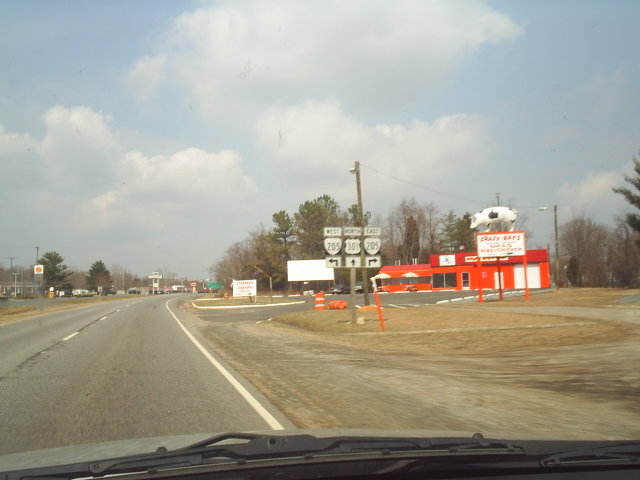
360,219
555,235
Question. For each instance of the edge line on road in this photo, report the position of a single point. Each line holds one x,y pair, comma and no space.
251,400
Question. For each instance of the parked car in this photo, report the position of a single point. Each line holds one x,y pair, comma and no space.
339,289
134,291
359,288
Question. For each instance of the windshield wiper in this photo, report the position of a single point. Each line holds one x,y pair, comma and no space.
623,452
241,449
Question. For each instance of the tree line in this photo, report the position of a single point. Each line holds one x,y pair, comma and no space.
591,253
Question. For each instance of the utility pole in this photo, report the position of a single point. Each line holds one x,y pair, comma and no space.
270,281
360,219
11,259
497,199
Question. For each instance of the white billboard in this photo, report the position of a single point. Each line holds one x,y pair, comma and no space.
244,288
500,244
308,270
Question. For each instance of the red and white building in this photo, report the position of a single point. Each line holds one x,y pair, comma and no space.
461,271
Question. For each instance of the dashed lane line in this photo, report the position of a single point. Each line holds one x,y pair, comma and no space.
69,337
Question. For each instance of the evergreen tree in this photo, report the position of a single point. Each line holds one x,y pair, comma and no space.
456,233
310,220
55,272
99,277
632,219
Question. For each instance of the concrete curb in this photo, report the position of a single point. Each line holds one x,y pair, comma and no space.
220,307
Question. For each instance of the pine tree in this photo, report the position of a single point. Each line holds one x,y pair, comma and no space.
632,219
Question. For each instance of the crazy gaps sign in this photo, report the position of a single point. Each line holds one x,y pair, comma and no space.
500,244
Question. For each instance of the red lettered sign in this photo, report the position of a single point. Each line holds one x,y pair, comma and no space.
501,244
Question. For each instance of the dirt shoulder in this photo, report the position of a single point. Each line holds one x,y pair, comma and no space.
447,368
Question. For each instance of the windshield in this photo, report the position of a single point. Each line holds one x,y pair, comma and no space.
276,215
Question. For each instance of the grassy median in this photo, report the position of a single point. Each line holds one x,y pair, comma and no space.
468,327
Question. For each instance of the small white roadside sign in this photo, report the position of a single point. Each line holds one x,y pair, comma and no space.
332,231
373,261
244,288
352,231
500,244
334,261
352,261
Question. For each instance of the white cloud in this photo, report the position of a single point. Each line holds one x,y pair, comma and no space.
80,168
14,143
316,142
592,195
380,55
317,135
79,147
189,173
604,93
147,74
154,191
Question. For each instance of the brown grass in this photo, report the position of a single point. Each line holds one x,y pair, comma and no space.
450,328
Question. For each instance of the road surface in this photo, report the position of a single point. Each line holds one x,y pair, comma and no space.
111,371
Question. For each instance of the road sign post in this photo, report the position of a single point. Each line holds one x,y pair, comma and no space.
353,247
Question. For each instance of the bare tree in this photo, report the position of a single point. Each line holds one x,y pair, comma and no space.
583,243
623,256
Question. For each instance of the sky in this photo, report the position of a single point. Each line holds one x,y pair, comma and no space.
154,134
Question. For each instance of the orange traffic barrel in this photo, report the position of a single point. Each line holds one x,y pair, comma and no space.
320,301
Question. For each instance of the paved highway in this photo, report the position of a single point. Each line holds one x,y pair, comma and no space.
117,370
129,369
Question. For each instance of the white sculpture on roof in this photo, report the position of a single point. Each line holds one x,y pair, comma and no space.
487,217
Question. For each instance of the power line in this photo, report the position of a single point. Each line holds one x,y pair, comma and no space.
429,189
433,190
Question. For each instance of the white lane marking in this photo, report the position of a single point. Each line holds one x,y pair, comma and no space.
396,306
251,400
442,301
68,337
103,317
